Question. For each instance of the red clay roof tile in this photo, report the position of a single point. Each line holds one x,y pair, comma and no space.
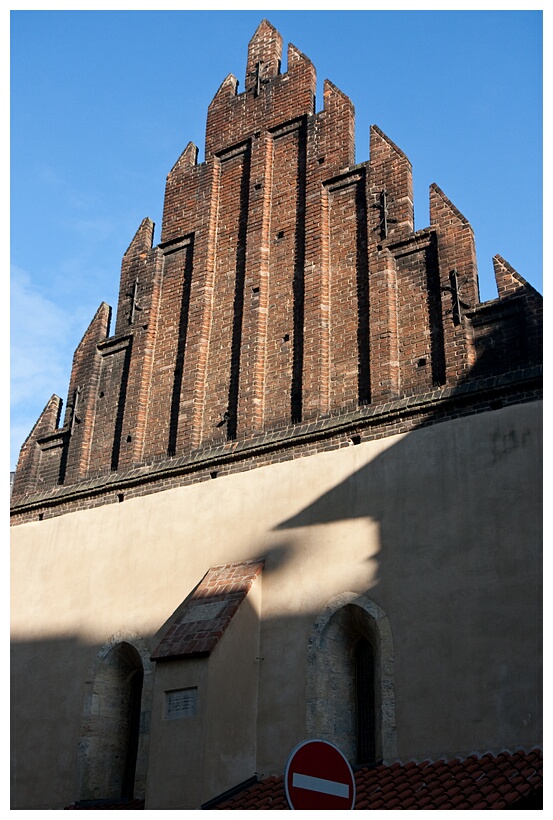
487,782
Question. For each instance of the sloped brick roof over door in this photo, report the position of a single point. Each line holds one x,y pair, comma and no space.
208,611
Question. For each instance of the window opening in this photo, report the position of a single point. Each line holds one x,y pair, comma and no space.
135,698
365,702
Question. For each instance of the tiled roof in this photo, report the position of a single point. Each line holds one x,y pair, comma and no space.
487,782
208,611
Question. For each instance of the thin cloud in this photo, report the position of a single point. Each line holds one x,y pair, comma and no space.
40,333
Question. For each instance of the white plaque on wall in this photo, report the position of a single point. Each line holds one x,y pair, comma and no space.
181,703
203,612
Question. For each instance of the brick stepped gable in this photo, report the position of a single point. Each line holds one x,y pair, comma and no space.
289,291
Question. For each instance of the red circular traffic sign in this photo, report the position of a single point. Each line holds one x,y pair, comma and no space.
318,776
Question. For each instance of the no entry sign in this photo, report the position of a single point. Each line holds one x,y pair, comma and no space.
318,776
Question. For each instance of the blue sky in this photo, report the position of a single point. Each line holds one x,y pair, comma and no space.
104,102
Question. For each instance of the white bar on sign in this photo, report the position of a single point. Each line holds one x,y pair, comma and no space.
317,784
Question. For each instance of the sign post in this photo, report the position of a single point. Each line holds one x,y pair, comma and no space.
318,776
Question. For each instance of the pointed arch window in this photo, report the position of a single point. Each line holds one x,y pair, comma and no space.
113,747
350,684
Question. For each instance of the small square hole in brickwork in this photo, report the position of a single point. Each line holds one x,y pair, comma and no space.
257,186
41,516
129,439
120,497
286,337
255,291
101,394
356,439
213,474
421,363
321,160
280,235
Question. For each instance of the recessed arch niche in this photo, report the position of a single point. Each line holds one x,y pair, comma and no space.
113,746
350,673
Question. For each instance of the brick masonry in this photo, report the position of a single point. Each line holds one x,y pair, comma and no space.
208,611
289,308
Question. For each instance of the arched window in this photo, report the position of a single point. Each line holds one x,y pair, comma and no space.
114,738
350,693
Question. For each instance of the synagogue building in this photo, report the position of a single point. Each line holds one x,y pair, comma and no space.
294,490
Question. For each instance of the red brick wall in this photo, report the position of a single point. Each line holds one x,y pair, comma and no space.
288,287
286,261
349,326
110,407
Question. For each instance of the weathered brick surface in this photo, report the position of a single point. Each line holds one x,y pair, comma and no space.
295,441
288,307
81,400
39,466
208,611
110,404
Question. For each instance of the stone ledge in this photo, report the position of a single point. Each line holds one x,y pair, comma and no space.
284,438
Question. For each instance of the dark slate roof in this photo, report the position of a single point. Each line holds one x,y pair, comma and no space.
486,782
208,611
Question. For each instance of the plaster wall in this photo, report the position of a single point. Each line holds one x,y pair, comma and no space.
176,749
194,759
441,528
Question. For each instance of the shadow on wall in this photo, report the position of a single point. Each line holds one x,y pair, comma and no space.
459,571
459,508
83,720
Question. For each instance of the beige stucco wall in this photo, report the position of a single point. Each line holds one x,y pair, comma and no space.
441,528
198,757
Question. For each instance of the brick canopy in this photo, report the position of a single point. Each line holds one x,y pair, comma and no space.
208,611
